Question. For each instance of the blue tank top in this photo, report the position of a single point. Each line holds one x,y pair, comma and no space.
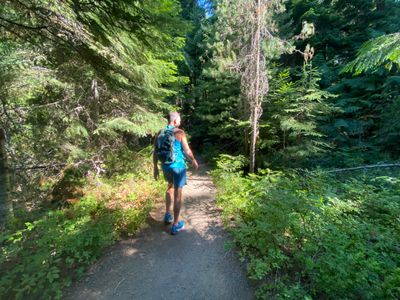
179,156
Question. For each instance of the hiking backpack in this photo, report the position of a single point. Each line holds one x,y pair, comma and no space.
165,146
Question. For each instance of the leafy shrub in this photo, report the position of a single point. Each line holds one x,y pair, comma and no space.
307,234
43,257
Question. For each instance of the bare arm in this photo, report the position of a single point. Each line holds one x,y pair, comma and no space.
188,151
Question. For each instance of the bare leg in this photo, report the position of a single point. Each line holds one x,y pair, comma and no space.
177,204
169,195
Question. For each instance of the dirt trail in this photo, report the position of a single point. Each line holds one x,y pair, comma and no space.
156,265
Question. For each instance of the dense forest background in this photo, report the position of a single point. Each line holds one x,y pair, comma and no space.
85,86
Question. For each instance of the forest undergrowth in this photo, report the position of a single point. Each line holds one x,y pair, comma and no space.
43,250
314,235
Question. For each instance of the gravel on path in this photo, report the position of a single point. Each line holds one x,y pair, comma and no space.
156,265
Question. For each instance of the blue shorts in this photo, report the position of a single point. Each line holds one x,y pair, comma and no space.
177,176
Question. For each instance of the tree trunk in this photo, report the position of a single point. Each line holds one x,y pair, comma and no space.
95,104
255,102
5,205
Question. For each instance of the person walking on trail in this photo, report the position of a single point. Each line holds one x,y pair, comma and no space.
170,148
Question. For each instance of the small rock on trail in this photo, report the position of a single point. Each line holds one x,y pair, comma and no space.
155,265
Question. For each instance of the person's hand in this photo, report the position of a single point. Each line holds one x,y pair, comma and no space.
195,165
156,173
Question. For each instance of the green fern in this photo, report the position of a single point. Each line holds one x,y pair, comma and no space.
374,53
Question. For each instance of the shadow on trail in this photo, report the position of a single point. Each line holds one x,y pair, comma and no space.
155,265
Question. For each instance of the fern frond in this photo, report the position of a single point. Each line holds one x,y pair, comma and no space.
374,53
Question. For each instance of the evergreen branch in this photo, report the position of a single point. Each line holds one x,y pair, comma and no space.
376,52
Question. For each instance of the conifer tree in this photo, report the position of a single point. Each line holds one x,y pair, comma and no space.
243,29
376,52
342,27
81,78
296,104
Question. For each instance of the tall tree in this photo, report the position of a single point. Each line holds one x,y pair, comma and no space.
250,27
80,78
363,102
254,78
255,20
290,134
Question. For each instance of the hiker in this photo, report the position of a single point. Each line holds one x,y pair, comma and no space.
171,147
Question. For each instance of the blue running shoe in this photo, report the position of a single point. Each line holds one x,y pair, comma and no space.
176,228
168,219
